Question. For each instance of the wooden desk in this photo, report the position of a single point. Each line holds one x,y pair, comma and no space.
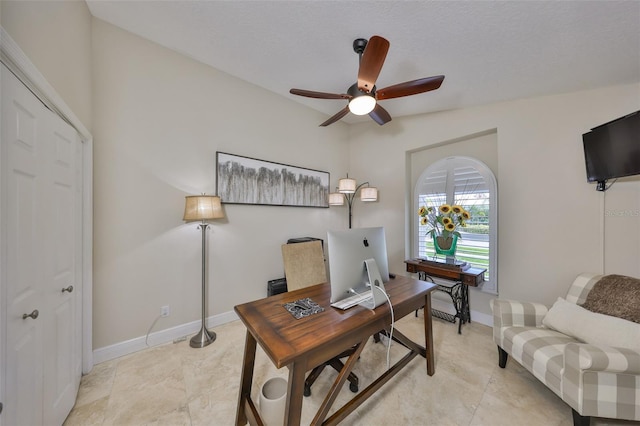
459,291
305,343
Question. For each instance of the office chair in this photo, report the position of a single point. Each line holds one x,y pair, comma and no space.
303,267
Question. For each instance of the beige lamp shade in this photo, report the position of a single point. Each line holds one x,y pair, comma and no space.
347,185
336,199
369,194
202,207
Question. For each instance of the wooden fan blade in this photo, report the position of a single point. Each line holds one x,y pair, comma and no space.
380,115
371,62
336,117
409,88
318,95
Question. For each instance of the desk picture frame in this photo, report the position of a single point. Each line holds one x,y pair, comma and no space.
246,180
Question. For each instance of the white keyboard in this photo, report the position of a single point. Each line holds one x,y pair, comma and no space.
356,299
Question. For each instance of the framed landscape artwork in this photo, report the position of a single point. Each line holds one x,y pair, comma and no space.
245,180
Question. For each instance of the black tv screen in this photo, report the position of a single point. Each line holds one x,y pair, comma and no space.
612,150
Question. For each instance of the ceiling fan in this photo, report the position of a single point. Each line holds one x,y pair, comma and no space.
363,96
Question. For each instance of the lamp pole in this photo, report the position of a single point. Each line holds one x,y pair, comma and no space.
204,336
350,197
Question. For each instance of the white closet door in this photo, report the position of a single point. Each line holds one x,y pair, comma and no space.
22,225
41,255
62,266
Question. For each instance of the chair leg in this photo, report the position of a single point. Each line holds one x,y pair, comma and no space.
311,378
502,357
338,365
579,420
352,378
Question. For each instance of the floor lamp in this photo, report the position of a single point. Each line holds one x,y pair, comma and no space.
202,208
348,188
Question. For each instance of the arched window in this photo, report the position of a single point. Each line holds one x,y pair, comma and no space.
469,183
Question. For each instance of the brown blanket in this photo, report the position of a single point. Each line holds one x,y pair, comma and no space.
617,296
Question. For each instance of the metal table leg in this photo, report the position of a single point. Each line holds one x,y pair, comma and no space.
459,294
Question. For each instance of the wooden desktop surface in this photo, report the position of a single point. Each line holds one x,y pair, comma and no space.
302,344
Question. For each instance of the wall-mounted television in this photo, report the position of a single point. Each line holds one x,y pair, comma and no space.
612,150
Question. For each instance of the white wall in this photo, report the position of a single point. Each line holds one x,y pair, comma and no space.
549,220
56,36
159,120
622,227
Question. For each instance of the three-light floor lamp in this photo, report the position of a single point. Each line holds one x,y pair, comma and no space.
347,189
202,208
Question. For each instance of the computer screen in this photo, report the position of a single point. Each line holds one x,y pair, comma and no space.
347,251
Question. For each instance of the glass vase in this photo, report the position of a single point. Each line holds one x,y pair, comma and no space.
445,246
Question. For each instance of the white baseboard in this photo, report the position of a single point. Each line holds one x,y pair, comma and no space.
447,306
158,338
482,318
169,335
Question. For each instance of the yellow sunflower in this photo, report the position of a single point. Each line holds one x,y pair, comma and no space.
445,208
443,220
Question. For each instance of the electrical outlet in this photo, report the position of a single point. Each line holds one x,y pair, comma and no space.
165,311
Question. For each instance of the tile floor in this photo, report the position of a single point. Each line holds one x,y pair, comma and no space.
174,384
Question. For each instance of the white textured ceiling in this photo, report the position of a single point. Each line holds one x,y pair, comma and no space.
488,50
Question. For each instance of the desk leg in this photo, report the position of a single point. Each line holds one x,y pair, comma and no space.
465,314
339,383
246,379
466,301
462,309
293,408
428,336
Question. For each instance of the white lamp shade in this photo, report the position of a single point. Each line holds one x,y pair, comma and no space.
336,199
202,207
347,185
362,105
369,194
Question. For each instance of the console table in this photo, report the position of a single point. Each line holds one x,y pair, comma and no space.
461,278
303,344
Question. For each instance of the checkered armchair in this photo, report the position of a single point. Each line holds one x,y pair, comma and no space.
593,379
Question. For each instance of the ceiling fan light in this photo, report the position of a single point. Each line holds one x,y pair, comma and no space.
362,105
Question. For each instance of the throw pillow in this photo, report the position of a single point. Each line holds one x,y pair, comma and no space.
615,295
590,327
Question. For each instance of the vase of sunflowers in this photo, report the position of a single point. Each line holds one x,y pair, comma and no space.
445,246
444,224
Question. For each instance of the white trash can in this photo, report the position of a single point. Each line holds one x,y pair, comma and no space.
273,398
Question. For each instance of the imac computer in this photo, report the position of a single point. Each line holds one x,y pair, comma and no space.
350,262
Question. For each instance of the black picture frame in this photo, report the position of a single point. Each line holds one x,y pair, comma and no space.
247,180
